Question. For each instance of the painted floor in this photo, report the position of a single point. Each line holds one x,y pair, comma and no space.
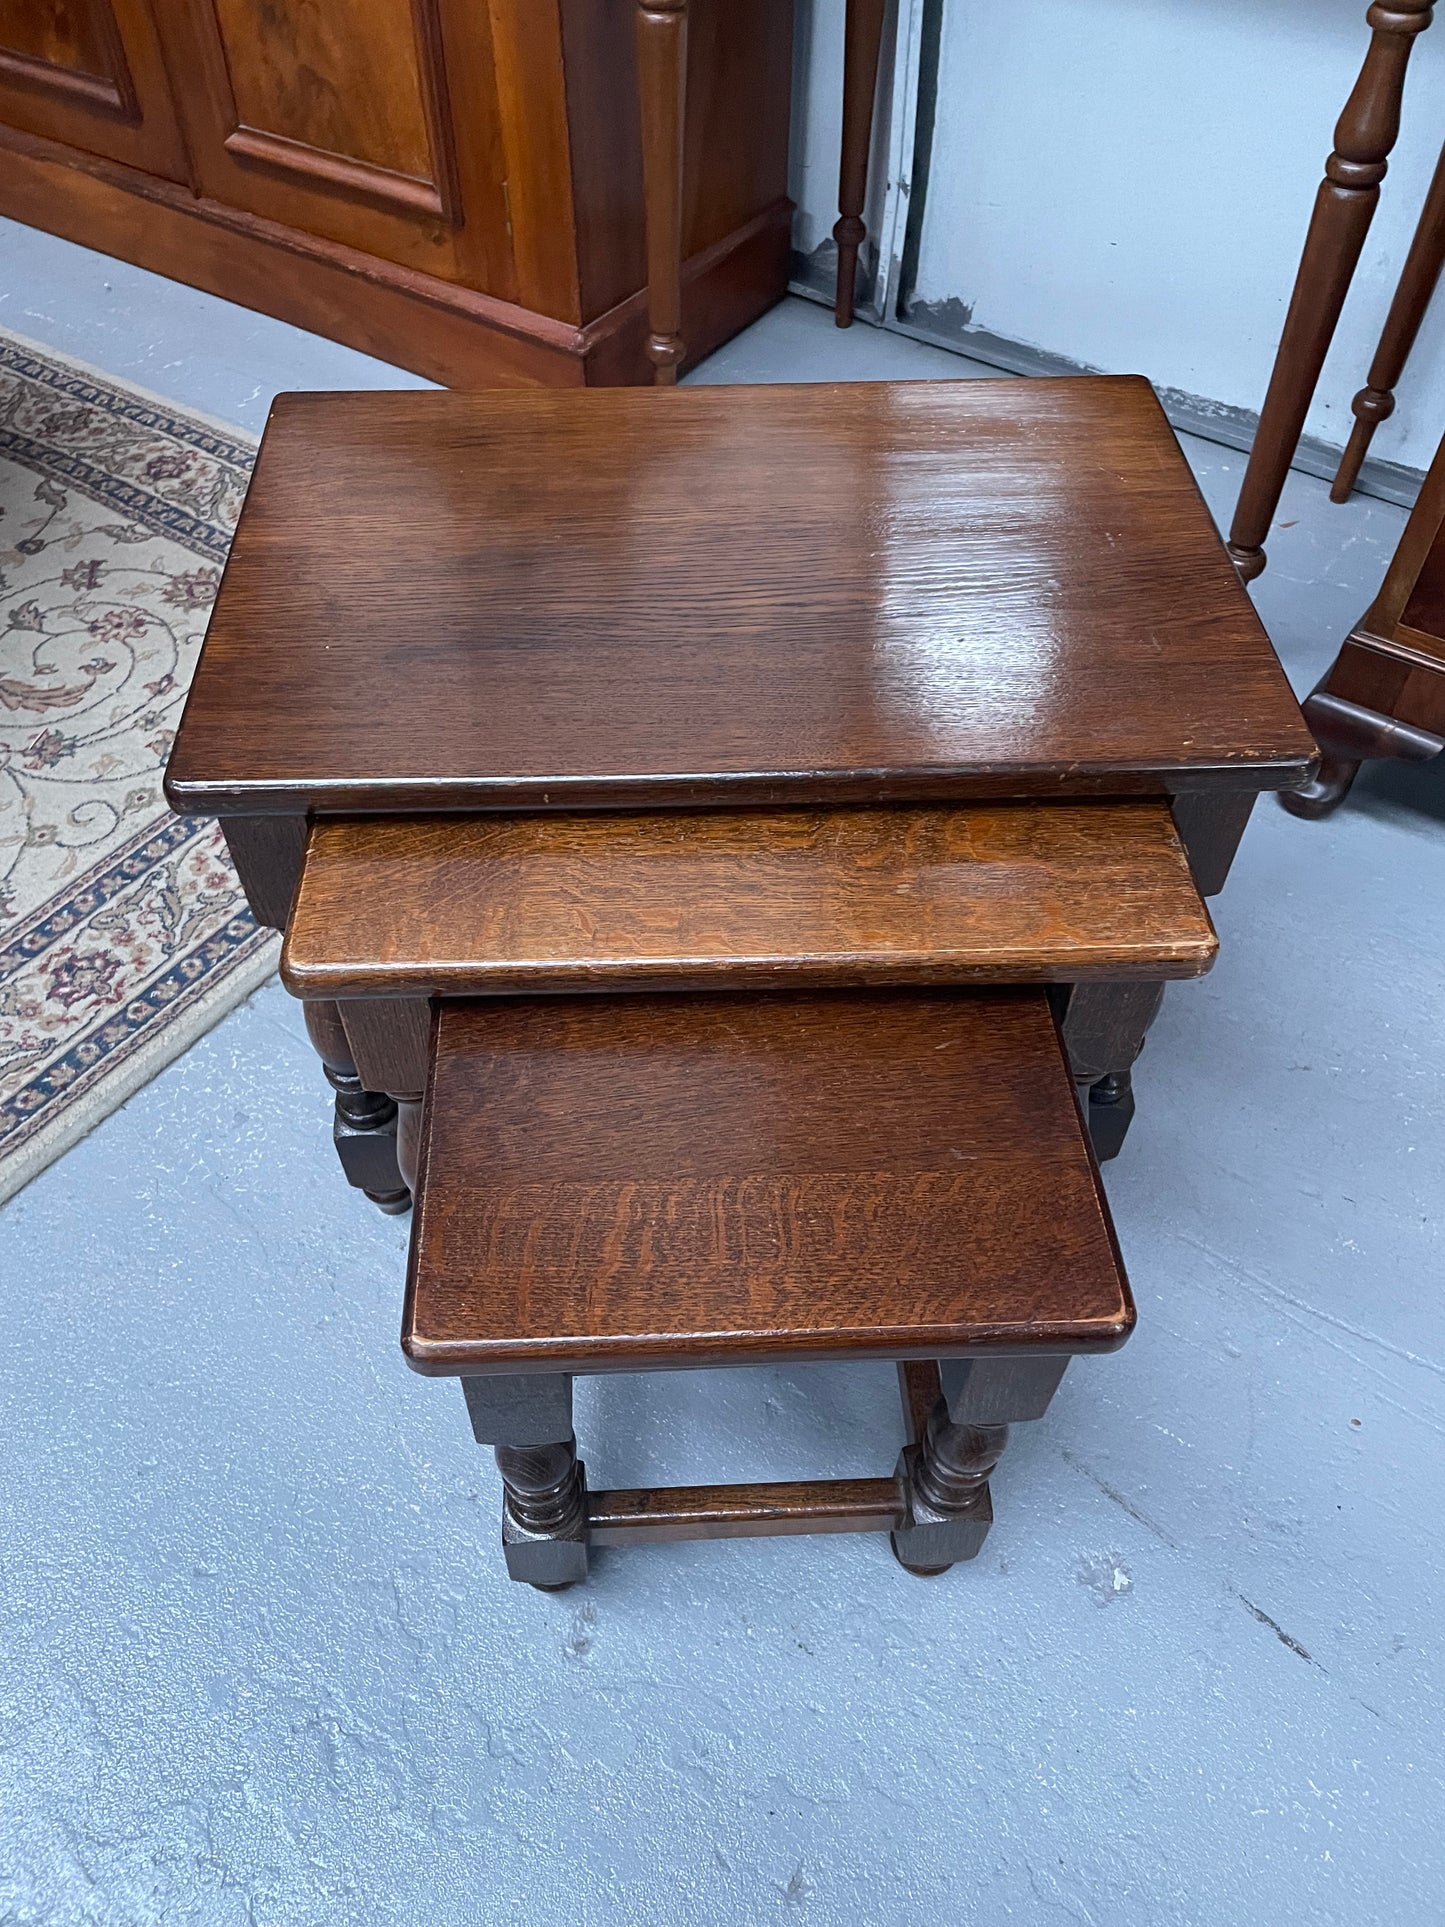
259,1664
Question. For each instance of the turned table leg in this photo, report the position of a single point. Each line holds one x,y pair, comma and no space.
1375,402
945,1473
1344,208
863,39
364,1130
1104,1026
527,1420
662,93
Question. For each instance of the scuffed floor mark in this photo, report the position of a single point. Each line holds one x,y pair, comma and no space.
1284,1638
582,1635
799,1890
1300,1312
1107,1579
1307,1312
1119,1499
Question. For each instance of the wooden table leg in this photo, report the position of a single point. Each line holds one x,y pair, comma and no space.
527,1420
662,94
945,1474
863,38
1350,733
1375,402
1384,693
1103,1027
1344,208
364,1131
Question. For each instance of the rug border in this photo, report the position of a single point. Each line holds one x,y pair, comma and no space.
175,1037
173,1040
103,375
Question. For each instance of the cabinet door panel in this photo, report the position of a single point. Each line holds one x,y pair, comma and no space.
339,117
305,72
90,73
59,35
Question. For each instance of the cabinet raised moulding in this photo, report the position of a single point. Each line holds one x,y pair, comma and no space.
90,73
430,190
96,75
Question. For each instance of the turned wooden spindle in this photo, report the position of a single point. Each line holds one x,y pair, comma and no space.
545,1492
364,1131
954,1461
1375,402
329,1040
544,1513
662,94
863,37
947,1472
1343,210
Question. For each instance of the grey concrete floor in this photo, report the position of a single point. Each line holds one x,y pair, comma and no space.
261,1665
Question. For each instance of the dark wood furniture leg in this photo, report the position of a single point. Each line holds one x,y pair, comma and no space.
527,1420
662,93
1104,1026
364,1130
936,1507
1375,402
863,39
1350,734
1384,693
1344,208
944,1473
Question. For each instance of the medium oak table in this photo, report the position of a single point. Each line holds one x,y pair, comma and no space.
649,1183
1094,901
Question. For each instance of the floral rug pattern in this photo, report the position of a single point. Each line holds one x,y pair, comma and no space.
123,931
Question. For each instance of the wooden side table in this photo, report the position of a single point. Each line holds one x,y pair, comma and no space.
721,835
651,1183
1094,901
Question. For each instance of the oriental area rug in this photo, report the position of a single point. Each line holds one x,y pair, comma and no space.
123,931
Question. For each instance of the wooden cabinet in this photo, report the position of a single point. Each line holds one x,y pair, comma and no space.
454,185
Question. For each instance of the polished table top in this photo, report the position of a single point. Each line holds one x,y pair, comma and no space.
622,597
617,1184
469,906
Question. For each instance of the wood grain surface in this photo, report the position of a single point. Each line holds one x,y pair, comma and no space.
642,1182
469,906
655,1514
914,591
94,74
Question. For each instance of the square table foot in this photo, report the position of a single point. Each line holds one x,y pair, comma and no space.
933,1538
549,1560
